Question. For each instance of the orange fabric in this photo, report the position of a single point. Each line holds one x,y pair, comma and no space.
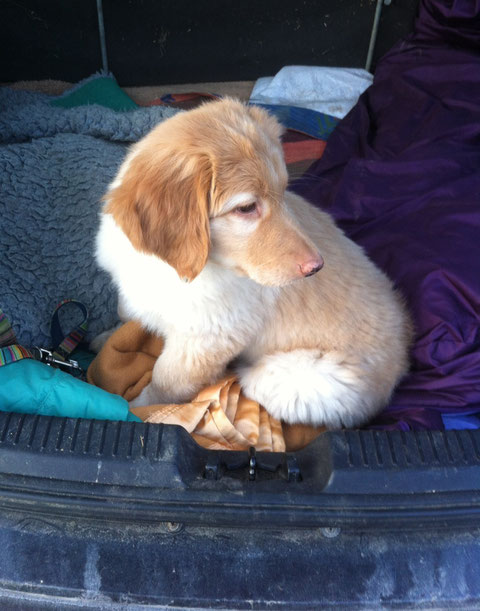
310,150
220,417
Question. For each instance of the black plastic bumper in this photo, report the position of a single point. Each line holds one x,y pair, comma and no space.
108,514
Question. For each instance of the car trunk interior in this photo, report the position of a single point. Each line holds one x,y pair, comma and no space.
103,514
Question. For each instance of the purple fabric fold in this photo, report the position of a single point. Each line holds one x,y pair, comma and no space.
401,175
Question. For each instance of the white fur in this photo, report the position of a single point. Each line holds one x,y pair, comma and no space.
240,199
306,386
222,313
219,313
216,302
325,350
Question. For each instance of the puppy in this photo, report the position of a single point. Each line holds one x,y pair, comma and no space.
209,249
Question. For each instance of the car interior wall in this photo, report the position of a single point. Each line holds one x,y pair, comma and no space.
159,43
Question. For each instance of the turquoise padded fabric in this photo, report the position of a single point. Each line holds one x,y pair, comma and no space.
31,387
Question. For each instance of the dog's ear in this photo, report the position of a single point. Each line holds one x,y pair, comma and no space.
162,205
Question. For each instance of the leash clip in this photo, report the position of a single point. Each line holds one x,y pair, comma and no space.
46,356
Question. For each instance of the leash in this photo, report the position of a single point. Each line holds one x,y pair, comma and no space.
63,344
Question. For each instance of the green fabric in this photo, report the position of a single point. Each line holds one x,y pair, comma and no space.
97,89
30,387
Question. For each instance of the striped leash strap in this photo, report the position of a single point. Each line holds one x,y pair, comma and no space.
11,351
64,345
14,352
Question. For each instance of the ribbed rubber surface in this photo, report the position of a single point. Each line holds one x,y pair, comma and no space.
146,472
88,437
376,449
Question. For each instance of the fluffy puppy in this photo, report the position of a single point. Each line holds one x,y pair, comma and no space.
209,249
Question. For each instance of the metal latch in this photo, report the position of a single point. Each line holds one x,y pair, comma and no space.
283,464
46,356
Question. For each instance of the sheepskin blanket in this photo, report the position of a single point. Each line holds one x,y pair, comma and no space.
55,164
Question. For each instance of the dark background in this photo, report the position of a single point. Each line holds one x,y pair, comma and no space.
154,42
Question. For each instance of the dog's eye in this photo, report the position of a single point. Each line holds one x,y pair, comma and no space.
248,209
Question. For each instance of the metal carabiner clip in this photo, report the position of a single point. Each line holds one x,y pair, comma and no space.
46,356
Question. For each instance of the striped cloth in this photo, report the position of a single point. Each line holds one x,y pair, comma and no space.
13,353
10,351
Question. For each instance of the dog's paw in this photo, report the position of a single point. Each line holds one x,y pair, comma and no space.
303,386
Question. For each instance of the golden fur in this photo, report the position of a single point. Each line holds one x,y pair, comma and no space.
205,193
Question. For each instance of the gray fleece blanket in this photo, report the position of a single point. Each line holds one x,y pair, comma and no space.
55,165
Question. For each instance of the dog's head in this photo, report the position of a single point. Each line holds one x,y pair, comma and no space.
211,182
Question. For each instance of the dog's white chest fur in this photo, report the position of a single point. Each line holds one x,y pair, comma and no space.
217,303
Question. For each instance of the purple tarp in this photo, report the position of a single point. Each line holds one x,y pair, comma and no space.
401,175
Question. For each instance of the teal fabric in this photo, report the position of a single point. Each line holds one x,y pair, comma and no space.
30,387
97,89
83,357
